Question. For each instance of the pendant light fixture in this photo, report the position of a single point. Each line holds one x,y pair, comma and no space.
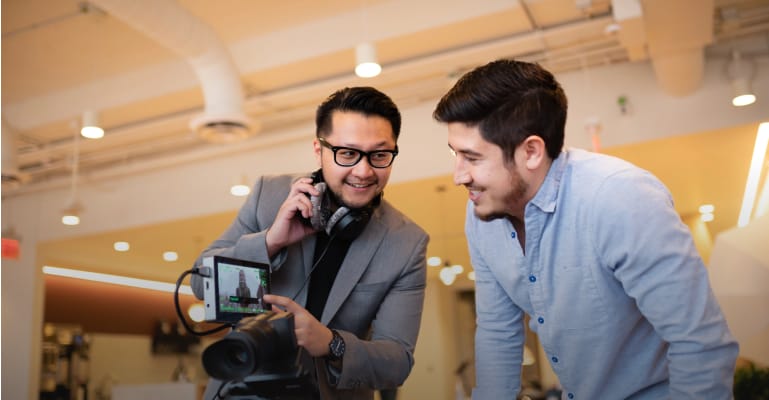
90,125
71,213
366,62
367,65
240,187
740,72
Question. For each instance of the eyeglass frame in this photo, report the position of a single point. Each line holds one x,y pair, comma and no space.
360,153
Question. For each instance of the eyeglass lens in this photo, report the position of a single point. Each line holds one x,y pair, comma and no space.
347,157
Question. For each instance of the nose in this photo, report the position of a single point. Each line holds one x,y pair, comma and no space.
363,168
461,175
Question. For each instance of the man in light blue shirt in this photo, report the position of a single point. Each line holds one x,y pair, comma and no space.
589,246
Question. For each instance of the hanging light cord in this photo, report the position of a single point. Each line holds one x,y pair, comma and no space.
75,165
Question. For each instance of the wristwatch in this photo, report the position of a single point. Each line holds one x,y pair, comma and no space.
336,347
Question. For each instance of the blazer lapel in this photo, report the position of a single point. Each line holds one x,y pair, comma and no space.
355,264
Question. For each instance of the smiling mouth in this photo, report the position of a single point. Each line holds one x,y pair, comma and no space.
474,194
359,185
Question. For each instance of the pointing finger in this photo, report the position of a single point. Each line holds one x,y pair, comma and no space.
284,302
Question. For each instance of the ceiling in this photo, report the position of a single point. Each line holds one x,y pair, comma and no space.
140,65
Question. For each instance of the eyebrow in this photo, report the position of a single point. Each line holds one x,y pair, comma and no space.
375,147
466,152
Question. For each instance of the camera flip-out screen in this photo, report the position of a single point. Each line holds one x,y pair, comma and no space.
235,289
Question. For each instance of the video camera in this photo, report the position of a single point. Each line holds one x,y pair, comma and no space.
259,357
262,357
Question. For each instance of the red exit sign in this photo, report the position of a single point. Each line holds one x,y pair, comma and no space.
10,249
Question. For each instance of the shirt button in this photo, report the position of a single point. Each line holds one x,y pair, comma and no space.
541,320
570,395
554,358
512,234
532,278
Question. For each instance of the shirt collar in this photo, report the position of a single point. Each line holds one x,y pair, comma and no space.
547,194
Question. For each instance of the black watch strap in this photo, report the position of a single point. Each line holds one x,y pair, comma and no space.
336,347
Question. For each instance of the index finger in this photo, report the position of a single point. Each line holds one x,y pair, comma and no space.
305,185
284,302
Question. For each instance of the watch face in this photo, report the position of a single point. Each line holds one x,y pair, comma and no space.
337,346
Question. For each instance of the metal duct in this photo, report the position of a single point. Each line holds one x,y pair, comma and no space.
672,34
678,32
174,27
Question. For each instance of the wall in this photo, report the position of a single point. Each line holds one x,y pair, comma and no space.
117,359
145,198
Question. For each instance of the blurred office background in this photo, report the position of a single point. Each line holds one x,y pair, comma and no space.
194,96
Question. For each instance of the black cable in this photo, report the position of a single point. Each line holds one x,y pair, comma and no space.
219,391
179,308
307,279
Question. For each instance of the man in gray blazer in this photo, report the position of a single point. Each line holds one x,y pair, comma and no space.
345,263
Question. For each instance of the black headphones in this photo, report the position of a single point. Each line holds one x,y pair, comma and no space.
334,218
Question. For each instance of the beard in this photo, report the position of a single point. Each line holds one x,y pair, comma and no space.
500,205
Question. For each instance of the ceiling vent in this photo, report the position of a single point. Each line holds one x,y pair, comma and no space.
221,130
167,22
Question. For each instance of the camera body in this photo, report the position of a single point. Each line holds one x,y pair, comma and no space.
233,289
330,216
260,359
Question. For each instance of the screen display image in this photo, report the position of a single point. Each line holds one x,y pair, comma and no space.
241,288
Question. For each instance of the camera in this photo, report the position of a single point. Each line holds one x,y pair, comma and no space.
234,289
260,358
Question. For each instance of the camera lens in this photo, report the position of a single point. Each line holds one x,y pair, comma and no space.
265,340
233,357
237,355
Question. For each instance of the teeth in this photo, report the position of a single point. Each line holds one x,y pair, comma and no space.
358,185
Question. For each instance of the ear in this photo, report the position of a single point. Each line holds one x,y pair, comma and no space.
534,152
317,149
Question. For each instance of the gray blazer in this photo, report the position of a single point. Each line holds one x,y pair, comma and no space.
375,302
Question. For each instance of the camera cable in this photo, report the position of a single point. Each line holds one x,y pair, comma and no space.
315,265
179,309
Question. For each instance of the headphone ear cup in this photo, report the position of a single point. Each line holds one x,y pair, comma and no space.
316,220
337,221
347,224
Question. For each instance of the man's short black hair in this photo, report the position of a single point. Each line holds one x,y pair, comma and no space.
365,100
509,101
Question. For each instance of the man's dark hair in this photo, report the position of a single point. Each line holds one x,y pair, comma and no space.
365,100
508,100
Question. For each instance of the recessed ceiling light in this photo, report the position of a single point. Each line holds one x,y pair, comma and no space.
457,269
121,246
170,256
434,261
240,190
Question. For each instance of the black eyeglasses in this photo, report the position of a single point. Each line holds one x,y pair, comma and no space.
347,157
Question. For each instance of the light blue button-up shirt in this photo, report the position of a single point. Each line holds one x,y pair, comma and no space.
615,288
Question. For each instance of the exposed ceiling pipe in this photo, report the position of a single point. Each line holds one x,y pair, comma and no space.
171,25
672,34
282,100
677,33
